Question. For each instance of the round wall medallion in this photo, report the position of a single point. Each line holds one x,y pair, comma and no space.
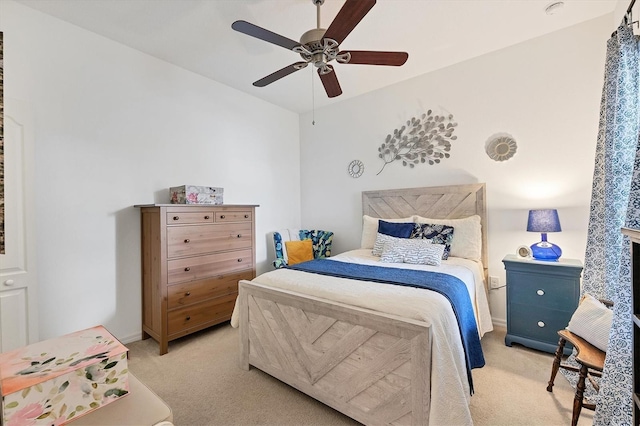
356,168
501,147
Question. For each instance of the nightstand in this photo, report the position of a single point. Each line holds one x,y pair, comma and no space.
541,297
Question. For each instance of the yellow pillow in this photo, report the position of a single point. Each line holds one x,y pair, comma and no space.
299,251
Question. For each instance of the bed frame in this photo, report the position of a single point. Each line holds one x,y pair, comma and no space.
373,367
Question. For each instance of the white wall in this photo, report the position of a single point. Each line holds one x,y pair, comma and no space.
545,92
114,128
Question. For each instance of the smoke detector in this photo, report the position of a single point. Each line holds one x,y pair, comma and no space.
553,8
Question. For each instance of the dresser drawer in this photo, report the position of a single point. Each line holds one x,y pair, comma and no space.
180,295
200,267
233,216
218,309
183,218
531,289
536,322
199,239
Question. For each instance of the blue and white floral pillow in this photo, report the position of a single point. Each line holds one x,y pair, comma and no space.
437,234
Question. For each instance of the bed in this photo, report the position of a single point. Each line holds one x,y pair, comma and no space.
381,354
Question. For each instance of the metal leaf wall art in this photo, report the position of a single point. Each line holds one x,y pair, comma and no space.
422,140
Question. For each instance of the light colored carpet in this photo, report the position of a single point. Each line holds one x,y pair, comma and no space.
200,380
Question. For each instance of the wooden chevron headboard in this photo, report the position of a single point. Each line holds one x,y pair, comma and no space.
438,202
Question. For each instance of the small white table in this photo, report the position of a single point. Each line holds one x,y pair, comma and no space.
141,407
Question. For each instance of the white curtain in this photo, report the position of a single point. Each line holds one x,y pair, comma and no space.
615,202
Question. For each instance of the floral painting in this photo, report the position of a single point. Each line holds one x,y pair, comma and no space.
1,148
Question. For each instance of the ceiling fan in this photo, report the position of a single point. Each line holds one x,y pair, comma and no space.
319,46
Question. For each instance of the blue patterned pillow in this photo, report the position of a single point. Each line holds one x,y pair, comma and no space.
438,234
398,230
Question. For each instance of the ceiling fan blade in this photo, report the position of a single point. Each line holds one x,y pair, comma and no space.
347,18
266,35
279,74
367,57
330,82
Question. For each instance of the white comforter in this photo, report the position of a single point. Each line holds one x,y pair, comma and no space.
449,384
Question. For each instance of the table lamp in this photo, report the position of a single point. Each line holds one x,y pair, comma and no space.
544,221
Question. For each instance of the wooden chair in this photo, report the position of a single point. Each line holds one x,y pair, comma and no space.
591,361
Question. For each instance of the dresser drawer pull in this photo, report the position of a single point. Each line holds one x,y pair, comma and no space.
540,292
176,218
187,318
540,324
207,217
246,216
221,216
239,236
187,241
240,260
187,269
187,293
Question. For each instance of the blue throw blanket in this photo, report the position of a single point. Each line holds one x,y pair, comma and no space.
449,286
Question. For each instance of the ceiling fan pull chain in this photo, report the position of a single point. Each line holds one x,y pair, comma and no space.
313,101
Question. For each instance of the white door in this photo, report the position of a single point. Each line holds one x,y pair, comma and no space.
18,305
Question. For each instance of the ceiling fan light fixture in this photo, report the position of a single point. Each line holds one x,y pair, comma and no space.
321,46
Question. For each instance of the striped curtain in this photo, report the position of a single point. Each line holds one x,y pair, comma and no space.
615,202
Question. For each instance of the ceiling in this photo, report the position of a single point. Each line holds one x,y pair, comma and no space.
196,35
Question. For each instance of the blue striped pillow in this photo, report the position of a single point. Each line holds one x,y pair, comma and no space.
412,251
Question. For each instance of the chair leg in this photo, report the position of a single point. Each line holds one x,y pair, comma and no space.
556,363
577,401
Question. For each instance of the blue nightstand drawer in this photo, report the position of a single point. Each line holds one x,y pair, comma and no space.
537,323
558,293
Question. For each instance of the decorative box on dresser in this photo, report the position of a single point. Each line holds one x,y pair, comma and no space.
192,259
634,236
541,297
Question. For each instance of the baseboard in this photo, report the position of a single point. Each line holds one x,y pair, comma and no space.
499,322
131,338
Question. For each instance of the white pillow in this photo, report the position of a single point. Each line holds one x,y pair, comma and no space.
467,237
370,229
592,321
413,251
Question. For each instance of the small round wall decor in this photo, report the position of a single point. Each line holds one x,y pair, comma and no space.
355,168
501,147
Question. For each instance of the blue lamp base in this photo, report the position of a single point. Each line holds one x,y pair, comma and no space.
545,250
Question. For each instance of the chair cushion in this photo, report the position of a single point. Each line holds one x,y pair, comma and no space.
322,241
592,321
299,251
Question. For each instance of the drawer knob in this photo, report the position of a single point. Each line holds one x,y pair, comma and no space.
9,283
188,293
187,241
176,218
207,217
240,260
221,216
540,324
187,269
540,292
239,235
187,318
246,216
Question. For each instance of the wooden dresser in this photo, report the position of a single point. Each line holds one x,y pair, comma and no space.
192,259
